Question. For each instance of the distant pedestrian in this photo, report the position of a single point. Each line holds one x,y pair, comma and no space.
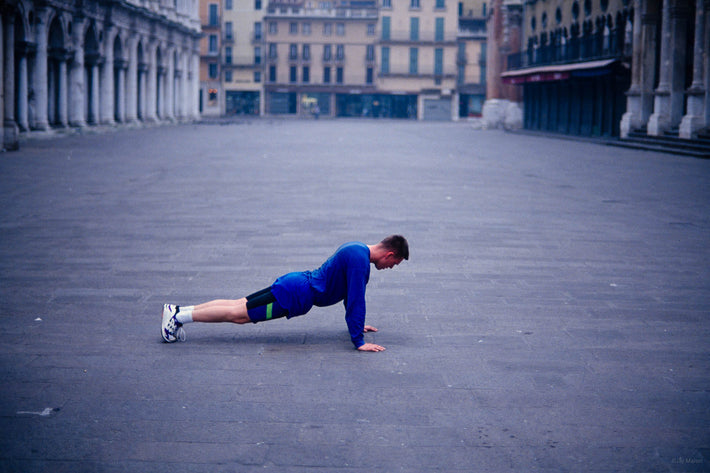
343,277
316,111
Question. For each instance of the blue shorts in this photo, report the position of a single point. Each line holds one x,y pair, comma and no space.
262,305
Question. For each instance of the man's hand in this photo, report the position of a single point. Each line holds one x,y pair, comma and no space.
369,328
371,347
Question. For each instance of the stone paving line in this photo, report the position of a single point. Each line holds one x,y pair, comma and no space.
553,316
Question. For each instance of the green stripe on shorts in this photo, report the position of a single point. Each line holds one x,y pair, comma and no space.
269,309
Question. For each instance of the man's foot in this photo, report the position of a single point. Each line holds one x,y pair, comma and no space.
171,329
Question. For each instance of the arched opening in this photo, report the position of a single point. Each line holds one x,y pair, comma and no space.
56,56
118,79
91,75
140,82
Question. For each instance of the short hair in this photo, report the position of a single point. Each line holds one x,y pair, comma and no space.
398,244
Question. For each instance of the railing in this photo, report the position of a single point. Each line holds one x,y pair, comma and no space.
322,12
586,48
422,37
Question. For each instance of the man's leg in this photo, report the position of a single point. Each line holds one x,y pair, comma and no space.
222,310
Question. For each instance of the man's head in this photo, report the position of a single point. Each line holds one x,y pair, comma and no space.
389,252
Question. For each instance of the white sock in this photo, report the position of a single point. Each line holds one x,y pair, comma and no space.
184,315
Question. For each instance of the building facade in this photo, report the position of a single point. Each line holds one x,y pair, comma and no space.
613,67
243,41
471,57
212,100
349,58
69,64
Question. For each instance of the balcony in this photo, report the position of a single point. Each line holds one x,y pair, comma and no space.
580,49
336,13
424,37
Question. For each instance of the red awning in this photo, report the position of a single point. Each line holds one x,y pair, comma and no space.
551,73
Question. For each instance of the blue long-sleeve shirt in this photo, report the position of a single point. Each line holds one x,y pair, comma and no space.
343,277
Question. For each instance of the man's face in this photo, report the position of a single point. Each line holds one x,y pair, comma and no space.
389,260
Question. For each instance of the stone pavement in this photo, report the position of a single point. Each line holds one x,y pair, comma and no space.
553,316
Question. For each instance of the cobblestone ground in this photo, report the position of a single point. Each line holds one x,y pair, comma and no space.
553,316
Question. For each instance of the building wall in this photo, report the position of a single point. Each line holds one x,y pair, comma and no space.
97,64
211,90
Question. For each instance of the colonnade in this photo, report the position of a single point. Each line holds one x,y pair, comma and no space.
670,73
66,68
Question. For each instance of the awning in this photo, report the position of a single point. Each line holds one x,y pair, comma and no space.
556,72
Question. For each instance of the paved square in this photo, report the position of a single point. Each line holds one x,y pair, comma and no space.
553,316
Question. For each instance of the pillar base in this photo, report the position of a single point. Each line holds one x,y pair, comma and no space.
11,136
690,125
658,123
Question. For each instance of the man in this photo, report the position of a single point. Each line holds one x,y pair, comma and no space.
343,277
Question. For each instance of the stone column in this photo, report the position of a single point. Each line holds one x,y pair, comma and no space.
93,91
120,114
169,95
23,89
132,82
143,69
106,111
694,118
39,85
63,91
151,92
10,129
195,85
668,103
77,85
633,118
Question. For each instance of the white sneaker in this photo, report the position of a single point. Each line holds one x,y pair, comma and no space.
171,329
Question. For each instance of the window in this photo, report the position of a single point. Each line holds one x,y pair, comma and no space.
213,70
439,30
340,29
327,52
306,29
228,31
386,3
273,27
214,20
257,54
385,65
213,44
306,75
273,54
272,73
413,60
228,55
414,4
293,74
386,20
326,75
293,27
257,4
339,75
370,55
439,61
228,75
327,29
293,52
368,76
414,29
440,4
371,29
306,52
257,31
340,52
228,4
257,76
